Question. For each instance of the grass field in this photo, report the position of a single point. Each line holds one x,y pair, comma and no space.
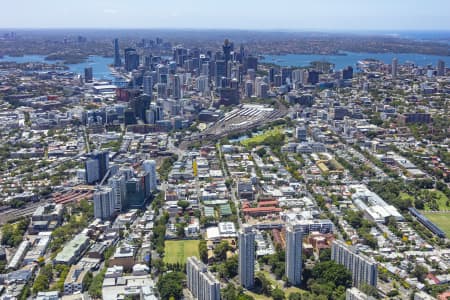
441,200
441,220
287,291
258,139
178,251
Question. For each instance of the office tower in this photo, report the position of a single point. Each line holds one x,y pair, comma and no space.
202,283
250,62
364,269
176,87
263,89
131,59
103,202
150,167
271,75
96,166
347,73
117,183
117,60
88,75
247,257
441,68
227,48
394,67
248,89
241,53
313,77
286,75
137,191
300,133
148,85
205,69
220,70
180,55
294,236
203,84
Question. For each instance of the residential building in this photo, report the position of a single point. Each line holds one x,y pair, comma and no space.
364,269
294,236
202,283
247,257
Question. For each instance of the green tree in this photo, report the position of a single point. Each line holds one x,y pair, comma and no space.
278,294
221,250
203,251
170,285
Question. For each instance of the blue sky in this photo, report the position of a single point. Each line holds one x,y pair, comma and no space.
354,15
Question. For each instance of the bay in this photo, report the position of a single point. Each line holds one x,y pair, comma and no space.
352,58
99,64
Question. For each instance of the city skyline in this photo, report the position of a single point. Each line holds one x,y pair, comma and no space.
325,15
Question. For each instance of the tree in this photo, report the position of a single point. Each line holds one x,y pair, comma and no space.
330,271
369,290
221,250
325,254
183,204
420,272
278,294
229,292
203,251
170,285
95,289
295,296
262,284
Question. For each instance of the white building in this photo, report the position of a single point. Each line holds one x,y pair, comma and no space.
104,204
294,236
247,257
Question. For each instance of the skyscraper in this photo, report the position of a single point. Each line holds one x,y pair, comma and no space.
441,68
150,167
117,183
394,67
220,70
364,269
88,75
96,166
103,202
148,85
117,60
176,87
247,257
202,283
294,236
227,48
131,59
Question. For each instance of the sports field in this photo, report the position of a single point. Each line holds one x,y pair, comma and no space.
441,220
178,251
259,139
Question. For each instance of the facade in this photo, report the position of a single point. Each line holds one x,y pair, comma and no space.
117,183
202,284
364,269
294,236
74,280
247,257
117,60
96,166
356,294
104,203
147,82
150,168
88,75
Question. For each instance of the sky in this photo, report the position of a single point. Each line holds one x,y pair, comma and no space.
330,15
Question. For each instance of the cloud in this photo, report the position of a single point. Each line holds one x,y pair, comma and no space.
110,11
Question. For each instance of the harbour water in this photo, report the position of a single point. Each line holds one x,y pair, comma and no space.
99,64
352,58
101,70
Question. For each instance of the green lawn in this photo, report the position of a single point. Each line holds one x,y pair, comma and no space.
178,251
441,200
441,220
258,139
